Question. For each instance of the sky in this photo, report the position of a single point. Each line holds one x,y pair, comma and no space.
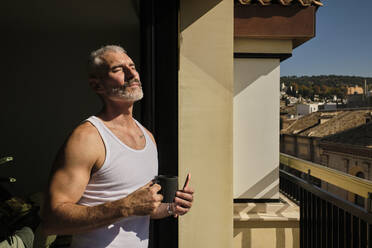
342,45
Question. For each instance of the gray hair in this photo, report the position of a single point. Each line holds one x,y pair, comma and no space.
96,63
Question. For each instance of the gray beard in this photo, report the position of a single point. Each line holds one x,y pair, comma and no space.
123,93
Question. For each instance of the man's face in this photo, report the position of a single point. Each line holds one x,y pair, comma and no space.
121,82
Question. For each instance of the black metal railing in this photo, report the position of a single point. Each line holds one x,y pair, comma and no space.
326,220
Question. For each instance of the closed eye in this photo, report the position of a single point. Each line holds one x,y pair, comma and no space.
117,68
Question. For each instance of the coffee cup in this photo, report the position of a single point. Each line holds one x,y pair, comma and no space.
169,187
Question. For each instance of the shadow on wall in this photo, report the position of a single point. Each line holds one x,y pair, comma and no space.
197,10
199,51
261,186
260,67
44,89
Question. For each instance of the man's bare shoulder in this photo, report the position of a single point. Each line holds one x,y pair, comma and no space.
85,132
84,144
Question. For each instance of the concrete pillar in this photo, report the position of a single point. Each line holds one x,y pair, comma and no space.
205,121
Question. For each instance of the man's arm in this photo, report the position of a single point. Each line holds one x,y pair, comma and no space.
72,170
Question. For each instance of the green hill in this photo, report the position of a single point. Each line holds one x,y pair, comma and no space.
323,85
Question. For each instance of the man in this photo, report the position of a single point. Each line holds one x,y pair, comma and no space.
101,188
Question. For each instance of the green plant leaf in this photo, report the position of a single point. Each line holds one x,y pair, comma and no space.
5,159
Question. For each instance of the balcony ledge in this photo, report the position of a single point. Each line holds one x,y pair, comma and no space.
286,210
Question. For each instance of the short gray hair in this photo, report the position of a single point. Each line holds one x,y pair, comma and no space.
96,63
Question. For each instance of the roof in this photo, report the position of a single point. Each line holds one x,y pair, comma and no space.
290,109
282,2
359,136
303,123
323,124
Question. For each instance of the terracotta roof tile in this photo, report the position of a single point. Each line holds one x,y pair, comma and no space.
282,2
343,121
322,124
360,136
302,123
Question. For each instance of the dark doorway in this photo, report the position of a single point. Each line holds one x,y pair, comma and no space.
159,49
44,90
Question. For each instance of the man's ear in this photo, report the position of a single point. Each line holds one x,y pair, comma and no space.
96,85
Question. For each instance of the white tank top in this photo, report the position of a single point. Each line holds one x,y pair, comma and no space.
123,171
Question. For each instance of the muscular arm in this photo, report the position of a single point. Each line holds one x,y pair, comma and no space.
72,171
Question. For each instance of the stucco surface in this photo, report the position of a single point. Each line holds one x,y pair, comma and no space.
205,121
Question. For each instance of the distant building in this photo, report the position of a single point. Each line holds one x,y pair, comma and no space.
291,100
358,97
350,152
328,106
306,108
356,100
354,90
340,140
283,87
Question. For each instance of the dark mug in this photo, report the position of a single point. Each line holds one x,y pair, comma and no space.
169,186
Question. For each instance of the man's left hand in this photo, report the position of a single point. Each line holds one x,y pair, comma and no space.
183,201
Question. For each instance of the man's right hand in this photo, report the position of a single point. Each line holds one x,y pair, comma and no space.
145,200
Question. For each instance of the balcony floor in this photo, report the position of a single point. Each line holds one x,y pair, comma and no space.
267,225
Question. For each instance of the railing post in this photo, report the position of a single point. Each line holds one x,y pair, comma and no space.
369,202
308,179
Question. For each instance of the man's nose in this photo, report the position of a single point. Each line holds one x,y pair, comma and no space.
129,74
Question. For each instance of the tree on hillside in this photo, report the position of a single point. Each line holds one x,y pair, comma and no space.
305,91
316,89
324,91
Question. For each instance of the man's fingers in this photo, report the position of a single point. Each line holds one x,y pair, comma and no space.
159,198
155,188
186,196
180,210
188,190
182,202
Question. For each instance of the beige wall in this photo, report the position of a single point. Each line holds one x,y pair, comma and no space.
262,234
288,145
256,128
317,152
303,146
205,121
248,45
350,164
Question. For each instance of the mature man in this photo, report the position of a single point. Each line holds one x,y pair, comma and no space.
101,188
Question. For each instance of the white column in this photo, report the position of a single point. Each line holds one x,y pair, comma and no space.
256,128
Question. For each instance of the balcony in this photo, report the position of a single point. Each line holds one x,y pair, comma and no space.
326,220
307,215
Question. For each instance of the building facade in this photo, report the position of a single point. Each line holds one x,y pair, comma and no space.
343,145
